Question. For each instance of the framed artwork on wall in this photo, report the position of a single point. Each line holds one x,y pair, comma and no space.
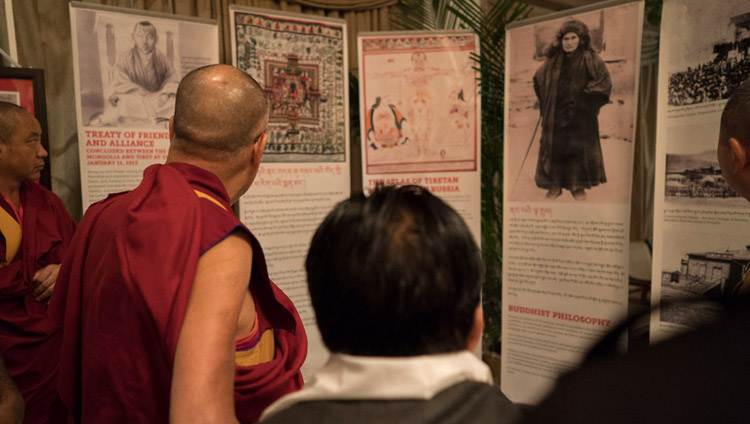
25,87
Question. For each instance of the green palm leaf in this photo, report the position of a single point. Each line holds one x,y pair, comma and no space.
489,25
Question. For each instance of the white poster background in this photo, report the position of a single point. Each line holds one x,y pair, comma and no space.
700,225
565,262
114,148
420,115
301,62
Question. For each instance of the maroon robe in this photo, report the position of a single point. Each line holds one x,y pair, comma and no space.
29,340
124,289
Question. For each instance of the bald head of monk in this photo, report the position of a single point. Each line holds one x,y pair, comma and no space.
8,119
21,151
734,140
219,124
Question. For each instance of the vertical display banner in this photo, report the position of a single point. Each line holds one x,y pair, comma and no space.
701,226
421,115
301,62
127,65
571,91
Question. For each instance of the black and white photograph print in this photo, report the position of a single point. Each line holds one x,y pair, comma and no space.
129,65
713,58
571,98
696,270
696,177
693,177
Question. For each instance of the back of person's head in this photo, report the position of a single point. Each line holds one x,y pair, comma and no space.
394,274
734,140
735,120
219,110
8,117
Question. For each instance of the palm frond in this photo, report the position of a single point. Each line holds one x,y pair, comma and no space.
489,25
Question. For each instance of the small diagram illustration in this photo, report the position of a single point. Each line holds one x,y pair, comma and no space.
383,125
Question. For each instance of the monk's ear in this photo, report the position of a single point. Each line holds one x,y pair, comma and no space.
740,155
258,148
171,128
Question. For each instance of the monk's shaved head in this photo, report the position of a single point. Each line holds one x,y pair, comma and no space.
735,120
8,119
219,110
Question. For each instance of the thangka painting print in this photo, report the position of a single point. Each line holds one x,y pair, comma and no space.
301,63
127,67
419,102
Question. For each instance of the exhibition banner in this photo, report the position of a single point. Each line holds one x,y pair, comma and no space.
127,65
701,226
300,61
571,90
420,115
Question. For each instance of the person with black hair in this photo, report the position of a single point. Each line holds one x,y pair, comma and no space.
733,152
395,281
572,85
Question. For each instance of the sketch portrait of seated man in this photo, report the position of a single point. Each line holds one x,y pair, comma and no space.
142,84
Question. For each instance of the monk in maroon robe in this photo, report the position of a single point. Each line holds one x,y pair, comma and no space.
36,230
168,311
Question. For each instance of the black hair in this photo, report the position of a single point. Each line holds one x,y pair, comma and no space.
397,273
144,24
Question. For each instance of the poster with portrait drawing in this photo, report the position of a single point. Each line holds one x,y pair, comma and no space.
127,65
571,90
301,63
419,102
701,225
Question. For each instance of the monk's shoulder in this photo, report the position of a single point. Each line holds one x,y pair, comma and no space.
217,223
37,196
